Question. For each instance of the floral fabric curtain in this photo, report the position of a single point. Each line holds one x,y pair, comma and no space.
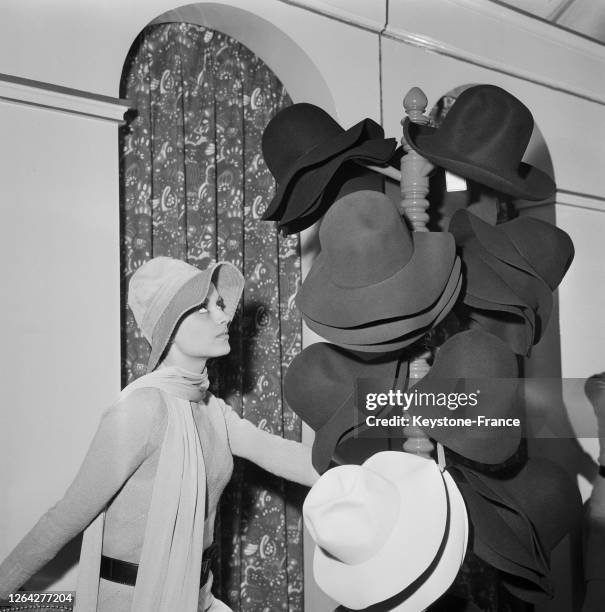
194,186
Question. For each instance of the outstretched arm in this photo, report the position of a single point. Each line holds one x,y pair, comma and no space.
285,458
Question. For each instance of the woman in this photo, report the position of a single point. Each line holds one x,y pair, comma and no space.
160,459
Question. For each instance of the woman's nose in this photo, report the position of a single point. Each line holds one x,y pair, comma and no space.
221,317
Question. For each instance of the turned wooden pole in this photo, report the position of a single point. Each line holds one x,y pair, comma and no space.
414,188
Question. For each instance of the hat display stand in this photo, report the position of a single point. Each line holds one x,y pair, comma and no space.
415,171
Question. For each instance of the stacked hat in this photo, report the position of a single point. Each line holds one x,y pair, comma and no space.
511,270
518,520
321,388
483,137
376,287
311,157
473,363
479,373
368,551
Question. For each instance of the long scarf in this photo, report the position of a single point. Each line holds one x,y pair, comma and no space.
168,578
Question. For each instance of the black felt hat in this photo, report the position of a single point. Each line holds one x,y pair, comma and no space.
519,519
302,143
483,137
320,387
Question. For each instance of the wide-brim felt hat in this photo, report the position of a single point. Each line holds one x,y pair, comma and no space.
391,329
371,266
547,248
350,177
506,540
539,505
361,519
483,137
539,248
469,362
532,290
308,190
396,345
305,137
320,387
467,226
164,289
513,329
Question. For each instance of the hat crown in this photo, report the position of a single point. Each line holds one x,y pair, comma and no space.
350,513
364,239
474,354
293,132
151,288
487,123
334,372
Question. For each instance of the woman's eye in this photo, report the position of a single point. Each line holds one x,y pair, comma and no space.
221,304
203,308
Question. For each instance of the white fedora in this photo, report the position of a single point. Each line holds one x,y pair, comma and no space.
378,527
447,564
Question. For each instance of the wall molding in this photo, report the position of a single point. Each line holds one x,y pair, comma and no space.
338,14
573,199
580,200
17,90
450,51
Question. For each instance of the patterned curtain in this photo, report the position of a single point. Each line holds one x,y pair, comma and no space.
194,186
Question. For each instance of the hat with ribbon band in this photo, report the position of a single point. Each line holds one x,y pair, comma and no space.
360,518
483,137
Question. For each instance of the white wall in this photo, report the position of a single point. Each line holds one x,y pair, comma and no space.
60,361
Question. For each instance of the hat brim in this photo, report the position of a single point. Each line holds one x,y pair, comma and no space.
308,186
547,248
357,586
366,129
538,522
483,283
342,182
407,340
526,182
532,290
376,333
514,331
409,291
229,284
348,417
493,238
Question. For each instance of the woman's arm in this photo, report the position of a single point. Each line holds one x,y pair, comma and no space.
119,446
285,458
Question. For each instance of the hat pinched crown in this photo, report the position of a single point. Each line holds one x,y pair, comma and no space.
351,512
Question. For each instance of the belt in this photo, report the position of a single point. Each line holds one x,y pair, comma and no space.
125,572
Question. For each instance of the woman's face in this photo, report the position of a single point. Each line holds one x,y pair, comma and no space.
203,333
